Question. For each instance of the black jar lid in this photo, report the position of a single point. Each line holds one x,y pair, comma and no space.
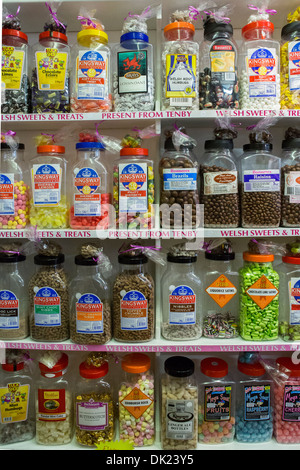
11,257
291,143
5,146
179,366
181,258
133,260
44,260
220,256
258,146
84,261
211,27
217,144
293,27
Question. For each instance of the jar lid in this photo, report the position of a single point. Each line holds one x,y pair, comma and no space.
90,145
92,372
220,256
12,257
179,366
50,149
134,35
258,146
218,144
261,25
83,261
290,28
291,143
57,369
255,369
136,363
5,146
214,367
85,36
15,32
53,34
134,151
286,362
291,259
44,260
211,27
129,259
12,366
181,259
258,258
179,25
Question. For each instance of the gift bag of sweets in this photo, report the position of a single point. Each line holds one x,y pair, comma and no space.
290,181
289,62
50,78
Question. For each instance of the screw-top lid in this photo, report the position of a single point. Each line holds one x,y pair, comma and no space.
255,369
135,36
291,259
179,366
89,145
57,370
13,366
214,367
84,261
136,363
87,36
217,144
287,363
258,146
16,33
290,143
212,27
179,25
50,149
89,371
53,34
137,151
134,260
258,258
5,146
264,25
11,258
44,260
181,259
293,27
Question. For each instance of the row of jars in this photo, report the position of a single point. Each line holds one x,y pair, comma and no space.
212,405
90,78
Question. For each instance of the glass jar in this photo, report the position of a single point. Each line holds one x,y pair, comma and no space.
259,68
260,186
50,79
289,301
48,207
15,93
17,420
91,83
259,298
94,405
216,402
90,320
179,405
15,194
14,305
219,87
219,185
90,194
180,67
254,413
49,300
54,404
133,74
136,401
133,304
289,66
286,399
290,183
133,189
180,297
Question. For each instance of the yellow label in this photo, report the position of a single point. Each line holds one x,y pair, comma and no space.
262,292
115,445
51,394
222,61
14,399
51,68
12,67
181,75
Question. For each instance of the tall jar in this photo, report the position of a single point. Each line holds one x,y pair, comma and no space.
137,400
218,55
290,183
259,298
90,317
50,78
94,405
179,404
260,186
14,303
259,67
289,66
133,73
90,190
133,304
49,207
180,67
15,81
48,291
54,404
14,189
216,402
180,297
289,301
133,188
91,73
219,185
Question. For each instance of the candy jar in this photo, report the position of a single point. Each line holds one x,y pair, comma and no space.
48,207
179,405
289,66
216,402
14,189
289,301
290,183
136,400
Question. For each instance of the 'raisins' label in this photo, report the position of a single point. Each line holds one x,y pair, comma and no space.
182,306
7,202
261,180
89,314
87,200
134,311
9,310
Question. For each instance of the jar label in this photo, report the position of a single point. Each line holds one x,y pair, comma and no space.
136,402
182,306
92,415
47,307
51,405
221,290
262,292
7,202
181,78
262,68
51,66
220,182
217,402
291,403
86,201
91,75
89,314
134,311
133,187
46,183
294,301
180,179
261,180
222,64
133,72
294,65
14,402
12,67
257,402
180,417
9,310
292,186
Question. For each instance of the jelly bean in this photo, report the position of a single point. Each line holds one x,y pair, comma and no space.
21,208
215,432
50,217
253,431
91,223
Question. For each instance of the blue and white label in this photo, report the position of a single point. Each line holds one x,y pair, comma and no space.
46,184
261,180
257,402
7,202
47,307
180,179
182,306
89,314
87,202
294,65
294,300
91,75
262,68
134,311
133,188
9,310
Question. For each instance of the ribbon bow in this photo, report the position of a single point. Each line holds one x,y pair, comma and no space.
262,10
12,15
86,20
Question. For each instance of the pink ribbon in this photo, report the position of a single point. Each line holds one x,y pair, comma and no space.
8,134
54,16
88,21
262,10
139,247
194,13
12,15
218,16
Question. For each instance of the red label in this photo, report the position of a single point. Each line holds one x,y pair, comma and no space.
51,405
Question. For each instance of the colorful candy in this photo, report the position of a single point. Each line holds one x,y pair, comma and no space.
21,203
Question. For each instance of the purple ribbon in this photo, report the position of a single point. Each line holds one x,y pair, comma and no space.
54,16
218,16
88,21
194,13
138,16
49,135
12,15
140,247
262,10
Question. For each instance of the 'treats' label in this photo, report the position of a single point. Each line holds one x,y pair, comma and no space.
7,204
182,306
134,311
89,314
133,187
221,290
46,181
9,310
87,201
47,307
294,65
262,66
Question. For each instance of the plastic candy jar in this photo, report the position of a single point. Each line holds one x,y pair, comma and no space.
54,404
181,304
48,207
136,401
94,405
180,67
254,413
289,66
290,183
216,402
90,194
289,301
133,189
179,405
15,82
259,302
286,402
14,188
